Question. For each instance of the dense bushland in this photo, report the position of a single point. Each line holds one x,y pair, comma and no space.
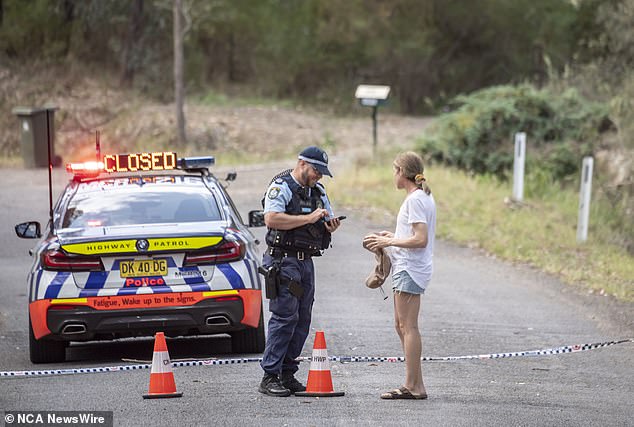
478,135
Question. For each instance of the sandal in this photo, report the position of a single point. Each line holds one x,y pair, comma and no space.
402,393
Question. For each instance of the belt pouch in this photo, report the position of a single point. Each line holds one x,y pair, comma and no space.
295,288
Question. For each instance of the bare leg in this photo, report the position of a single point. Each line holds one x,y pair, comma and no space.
407,307
397,325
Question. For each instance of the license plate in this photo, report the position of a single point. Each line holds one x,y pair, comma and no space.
146,267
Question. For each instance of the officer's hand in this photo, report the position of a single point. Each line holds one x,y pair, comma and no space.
332,225
316,215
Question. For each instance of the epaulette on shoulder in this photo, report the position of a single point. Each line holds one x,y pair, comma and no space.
278,178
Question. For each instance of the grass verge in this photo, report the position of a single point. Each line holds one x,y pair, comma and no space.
477,212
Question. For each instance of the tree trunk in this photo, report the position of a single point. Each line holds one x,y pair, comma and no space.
69,17
130,46
179,95
1,11
231,64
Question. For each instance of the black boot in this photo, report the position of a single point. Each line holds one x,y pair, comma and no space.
291,383
272,386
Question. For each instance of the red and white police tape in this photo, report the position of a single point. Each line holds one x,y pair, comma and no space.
343,359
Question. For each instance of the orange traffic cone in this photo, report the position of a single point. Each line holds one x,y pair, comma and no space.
319,379
161,378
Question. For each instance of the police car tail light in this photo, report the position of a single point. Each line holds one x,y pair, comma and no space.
62,307
223,299
57,260
226,252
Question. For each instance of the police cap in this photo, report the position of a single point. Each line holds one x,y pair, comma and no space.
316,157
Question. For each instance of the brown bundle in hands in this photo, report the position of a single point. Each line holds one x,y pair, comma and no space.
381,270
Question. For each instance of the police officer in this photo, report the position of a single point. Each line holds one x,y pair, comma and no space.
299,219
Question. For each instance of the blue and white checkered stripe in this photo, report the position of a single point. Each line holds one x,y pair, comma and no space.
340,359
237,275
251,260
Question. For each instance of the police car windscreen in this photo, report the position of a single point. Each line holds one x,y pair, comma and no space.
140,206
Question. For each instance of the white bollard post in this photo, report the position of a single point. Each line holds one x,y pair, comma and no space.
584,199
518,166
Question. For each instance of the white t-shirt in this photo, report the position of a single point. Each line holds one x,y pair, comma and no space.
418,207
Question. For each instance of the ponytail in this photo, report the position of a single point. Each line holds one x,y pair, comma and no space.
421,182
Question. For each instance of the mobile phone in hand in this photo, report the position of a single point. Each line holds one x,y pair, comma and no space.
340,218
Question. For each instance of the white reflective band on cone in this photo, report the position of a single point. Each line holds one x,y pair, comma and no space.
319,360
161,362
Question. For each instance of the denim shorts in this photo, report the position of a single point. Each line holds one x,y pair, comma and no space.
403,282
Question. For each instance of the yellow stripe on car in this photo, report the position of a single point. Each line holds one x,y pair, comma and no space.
69,301
129,245
219,293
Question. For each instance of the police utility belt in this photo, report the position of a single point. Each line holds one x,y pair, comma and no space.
279,253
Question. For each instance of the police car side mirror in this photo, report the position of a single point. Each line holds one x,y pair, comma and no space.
231,176
28,230
256,219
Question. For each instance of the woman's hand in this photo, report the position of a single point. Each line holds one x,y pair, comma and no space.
375,242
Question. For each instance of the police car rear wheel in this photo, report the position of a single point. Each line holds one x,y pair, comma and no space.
250,340
43,351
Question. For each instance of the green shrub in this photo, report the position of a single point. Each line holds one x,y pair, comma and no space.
477,135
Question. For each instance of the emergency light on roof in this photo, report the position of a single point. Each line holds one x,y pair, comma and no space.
139,162
196,162
85,168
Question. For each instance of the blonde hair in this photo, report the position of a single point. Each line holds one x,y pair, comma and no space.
411,165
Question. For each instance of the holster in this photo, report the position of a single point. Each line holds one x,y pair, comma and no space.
271,280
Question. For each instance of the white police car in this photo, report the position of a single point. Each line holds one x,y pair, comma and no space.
140,243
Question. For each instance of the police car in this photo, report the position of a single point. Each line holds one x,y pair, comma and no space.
140,243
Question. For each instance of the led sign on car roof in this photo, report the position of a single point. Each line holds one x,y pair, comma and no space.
139,162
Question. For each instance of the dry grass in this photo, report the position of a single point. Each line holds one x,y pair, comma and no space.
477,212
235,130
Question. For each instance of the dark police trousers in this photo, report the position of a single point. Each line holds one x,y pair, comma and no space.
289,324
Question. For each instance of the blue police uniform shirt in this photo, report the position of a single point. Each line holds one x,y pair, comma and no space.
279,194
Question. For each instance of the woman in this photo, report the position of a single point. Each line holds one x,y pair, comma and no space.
411,249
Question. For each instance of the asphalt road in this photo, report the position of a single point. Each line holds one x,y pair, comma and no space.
475,305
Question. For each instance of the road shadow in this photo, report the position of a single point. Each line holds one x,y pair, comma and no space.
140,350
